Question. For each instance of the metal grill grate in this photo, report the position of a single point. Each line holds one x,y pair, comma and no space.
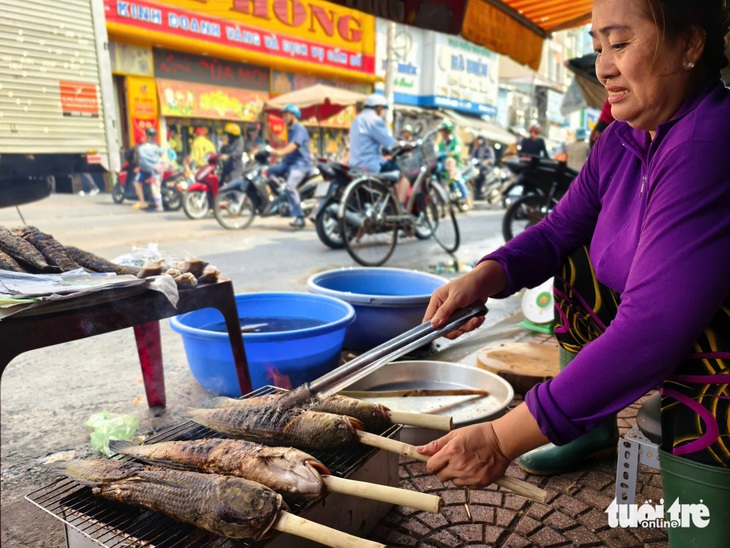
113,524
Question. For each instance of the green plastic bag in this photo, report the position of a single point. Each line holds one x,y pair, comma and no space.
110,426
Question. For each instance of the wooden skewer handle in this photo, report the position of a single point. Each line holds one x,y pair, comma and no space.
439,422
517,486
295,525
384,493
414,393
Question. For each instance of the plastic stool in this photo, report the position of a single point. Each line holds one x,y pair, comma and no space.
640,445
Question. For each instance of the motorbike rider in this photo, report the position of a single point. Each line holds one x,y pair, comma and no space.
296,164
201,147
232,156
483,155
450,144
150,164
534,145
368,134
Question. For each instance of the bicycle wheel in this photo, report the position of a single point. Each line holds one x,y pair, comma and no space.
442,219
367,212
524,213
233,209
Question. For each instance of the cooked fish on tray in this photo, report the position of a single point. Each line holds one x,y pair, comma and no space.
23,252
268,424
52,250
97,264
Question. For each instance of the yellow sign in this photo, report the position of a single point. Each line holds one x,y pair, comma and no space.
306,19
191,100
131,60
142,99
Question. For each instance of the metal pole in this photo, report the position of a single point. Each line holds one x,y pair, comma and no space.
391,68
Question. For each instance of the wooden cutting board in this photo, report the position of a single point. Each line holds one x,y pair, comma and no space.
523,364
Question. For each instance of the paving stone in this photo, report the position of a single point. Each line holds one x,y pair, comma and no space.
399,539
482,513
649,535
596,499
471,532
416,469
527,525
650,492
492,534
570,506
515,502
454,496
426,484
559,521
594,519
434,521
455,514
492,498
416,526
444,538
618,538
598,481
581,536
539,511
516,541
548,537
504,517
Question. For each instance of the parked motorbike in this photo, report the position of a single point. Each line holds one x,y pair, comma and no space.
257,193
173,184
329,193
485,181
531,175
546,181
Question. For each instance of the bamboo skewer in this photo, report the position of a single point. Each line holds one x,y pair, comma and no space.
515,485
383,493
439,422
413,393
298,526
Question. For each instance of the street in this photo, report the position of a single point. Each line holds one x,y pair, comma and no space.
47,395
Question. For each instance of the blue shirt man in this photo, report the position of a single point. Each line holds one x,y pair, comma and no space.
368,134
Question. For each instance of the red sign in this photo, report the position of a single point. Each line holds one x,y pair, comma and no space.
188,24
79,99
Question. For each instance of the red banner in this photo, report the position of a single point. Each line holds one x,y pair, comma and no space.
188,24
79,99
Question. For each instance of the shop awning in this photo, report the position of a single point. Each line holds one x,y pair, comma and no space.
515,28
584,69
320,101
494,133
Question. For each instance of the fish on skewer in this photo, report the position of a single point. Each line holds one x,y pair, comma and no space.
275,425
283,469
288,471
373,416
97,264
225,505
8,263
51,249
23,252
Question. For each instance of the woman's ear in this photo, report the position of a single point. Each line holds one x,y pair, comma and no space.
695,45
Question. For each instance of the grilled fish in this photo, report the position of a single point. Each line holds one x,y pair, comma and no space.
97,264
283,469
23,251
8,263
51,249
276,426
225,505
373,416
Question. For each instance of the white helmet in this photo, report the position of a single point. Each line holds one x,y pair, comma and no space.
376,100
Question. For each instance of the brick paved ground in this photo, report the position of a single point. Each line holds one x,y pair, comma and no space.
573,516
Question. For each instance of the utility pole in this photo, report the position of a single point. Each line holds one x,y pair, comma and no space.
391,68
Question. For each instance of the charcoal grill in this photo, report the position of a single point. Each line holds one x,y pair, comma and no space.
93,521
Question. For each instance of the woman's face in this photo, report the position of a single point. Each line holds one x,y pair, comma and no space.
645,77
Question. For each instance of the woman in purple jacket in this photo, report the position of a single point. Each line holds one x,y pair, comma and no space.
651,209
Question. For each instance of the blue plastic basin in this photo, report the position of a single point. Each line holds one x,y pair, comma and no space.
281,358
387,301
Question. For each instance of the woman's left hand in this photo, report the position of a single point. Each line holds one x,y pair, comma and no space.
468,456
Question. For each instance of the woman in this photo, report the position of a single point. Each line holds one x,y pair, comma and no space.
652,207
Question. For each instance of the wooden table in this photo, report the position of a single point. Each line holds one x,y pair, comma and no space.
111,310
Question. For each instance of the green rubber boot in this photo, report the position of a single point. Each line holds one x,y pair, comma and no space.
552,459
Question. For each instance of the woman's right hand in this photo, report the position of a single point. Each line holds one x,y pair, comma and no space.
483,281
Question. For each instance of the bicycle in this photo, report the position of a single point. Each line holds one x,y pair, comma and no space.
371,215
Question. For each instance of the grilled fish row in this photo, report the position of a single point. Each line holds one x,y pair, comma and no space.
284,469
373,416
225,505
52,250
23,252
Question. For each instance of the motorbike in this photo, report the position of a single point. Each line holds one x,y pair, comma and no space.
485,181
257,193
199,196
329,193
531,175
173,184
544,181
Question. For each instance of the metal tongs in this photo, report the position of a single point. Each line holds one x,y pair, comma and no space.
373,359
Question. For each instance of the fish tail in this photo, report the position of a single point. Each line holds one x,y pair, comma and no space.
220,401
96,472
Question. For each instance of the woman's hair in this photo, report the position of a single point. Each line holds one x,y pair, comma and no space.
673,17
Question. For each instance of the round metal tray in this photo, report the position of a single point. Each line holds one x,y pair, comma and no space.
410,375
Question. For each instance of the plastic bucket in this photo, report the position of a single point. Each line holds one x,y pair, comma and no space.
693,483
284,358
387,301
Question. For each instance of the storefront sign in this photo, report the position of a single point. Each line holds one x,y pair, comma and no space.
175,65
191,100
284,82
308,32
460,76
130,60
79,99
142,98
406,60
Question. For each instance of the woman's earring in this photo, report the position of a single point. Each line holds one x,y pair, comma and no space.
689,65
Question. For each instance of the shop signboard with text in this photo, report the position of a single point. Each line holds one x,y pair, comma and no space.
406,53
459,75
287,32
142,98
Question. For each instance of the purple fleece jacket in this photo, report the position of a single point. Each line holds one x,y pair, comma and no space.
657,216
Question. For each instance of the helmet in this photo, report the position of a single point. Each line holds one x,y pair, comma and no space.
447,125
200,131
292,109
581,134
150,132
232,129
376,100
408,128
